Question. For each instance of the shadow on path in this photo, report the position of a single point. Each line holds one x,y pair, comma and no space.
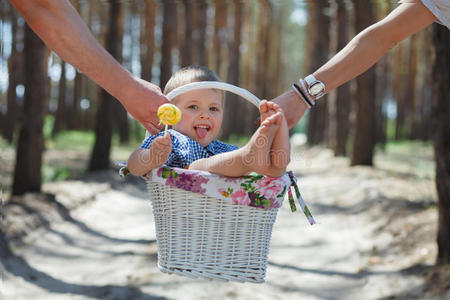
17,266
65,214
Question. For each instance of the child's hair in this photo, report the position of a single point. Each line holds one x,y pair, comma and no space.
189,74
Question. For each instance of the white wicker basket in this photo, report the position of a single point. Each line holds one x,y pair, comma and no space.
205,237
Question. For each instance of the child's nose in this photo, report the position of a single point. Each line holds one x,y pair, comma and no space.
205,115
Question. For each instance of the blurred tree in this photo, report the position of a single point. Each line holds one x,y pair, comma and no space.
27,171
187,44
120,123
73,121
73,112
265,21
422,106
340,119
58,125
317,46
364,141
233,113
15,76
201,24
405,85
100,157
383,71
168,40
275,74
220,36
147,41
411,85
441,126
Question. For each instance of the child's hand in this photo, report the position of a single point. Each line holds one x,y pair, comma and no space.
160,149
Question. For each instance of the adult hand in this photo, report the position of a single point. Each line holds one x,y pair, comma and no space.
292,106
142,100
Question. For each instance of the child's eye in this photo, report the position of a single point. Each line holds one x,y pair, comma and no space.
193,106
214,108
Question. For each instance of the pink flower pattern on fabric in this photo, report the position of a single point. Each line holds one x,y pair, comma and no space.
253,190
240,197
271,188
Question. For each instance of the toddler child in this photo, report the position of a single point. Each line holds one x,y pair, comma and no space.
191,142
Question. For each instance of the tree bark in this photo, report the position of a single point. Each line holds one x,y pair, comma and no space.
342,100
186,50
220,34
148,39
168,39
120,114
233,112
317,53
400,74
201,21
100,157
60,111
27,171
74,116
441,140
15,73
365,132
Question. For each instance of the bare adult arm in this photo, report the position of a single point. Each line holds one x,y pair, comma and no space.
362,52
61,28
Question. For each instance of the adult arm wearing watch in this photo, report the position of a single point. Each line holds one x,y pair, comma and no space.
61,28
362,52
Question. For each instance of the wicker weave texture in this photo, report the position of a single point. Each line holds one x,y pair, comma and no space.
205,237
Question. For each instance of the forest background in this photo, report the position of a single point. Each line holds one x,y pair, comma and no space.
260,45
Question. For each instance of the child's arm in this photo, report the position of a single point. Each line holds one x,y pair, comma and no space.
143,161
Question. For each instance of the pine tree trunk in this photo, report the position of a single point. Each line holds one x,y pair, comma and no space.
60,111
400,89
365,132
100,157
27,172
74,116
148,39
15,77
317,53
202,18
441,140
342,101
120,122
426,95
186,50
233,109
168,40
220,34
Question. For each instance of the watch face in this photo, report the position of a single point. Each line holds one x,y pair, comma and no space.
316,89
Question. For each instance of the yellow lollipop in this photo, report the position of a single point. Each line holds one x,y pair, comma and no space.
169,114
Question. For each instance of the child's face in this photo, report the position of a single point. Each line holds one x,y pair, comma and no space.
202,113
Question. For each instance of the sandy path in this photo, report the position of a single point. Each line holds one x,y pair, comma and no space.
107,249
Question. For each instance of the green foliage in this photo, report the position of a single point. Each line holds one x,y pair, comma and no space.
5,145
72,140
301,125
408,147
390,129
238,140
55,173
49,121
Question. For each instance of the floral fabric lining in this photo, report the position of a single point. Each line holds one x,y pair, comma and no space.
252,190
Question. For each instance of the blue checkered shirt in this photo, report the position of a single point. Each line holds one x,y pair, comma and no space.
186,150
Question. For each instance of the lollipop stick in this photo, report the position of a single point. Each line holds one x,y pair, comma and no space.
165,128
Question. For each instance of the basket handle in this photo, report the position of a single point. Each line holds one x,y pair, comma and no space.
212,85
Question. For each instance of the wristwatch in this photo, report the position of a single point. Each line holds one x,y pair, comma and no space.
316,88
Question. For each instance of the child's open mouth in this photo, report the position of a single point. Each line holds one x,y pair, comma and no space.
202,130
